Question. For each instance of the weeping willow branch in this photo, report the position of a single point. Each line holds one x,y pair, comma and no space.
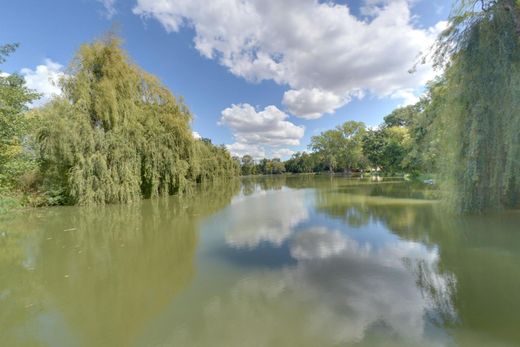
118,135
481,116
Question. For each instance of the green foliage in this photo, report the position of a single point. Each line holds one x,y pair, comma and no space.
341,148
481,119
402,117
270,167
248,165
301,162
212,162
426,150
117,135
6,50
386,148
15,157
8,203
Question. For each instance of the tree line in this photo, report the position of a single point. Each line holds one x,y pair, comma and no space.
114,135
465,129
396,147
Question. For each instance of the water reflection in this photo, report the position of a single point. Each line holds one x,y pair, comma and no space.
100,275
359,289
265,217
277,261
338,292
337,289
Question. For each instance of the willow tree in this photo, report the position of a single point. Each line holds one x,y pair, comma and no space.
481,117
116,134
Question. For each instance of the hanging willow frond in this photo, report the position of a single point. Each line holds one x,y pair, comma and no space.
117,134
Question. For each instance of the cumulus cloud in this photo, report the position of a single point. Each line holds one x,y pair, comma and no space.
312,103
323,52
409,97
282,153
196,135
44,79
241,149
253,130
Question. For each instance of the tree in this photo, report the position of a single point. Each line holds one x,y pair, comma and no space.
327,145
277,167
118,135
426,130
14,124
481,121
248,165
403,116
341,148
374,147
300,162
387,148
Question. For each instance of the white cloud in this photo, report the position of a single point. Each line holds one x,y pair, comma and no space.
44,79
319,49
110,7
267,127
282,153
253,130
196,135
408,96
373,7
241,149
312,103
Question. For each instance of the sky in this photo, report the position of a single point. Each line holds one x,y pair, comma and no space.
260,76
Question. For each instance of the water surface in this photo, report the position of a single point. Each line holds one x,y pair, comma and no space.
282,261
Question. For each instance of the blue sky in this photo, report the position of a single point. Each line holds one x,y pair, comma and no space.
261,76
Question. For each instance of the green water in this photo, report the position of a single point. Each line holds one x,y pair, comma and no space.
287,261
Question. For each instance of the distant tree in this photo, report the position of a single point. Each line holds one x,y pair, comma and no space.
300,162
277,167
387,148
374,147
341,148
248,165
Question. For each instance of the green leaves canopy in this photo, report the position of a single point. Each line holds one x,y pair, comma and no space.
117,134
14,124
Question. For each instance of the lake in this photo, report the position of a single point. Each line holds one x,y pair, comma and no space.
274,261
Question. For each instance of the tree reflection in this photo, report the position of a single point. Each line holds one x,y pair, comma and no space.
107,271
481,254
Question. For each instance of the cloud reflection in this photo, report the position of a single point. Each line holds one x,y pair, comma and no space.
339,291
354,288
267,217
